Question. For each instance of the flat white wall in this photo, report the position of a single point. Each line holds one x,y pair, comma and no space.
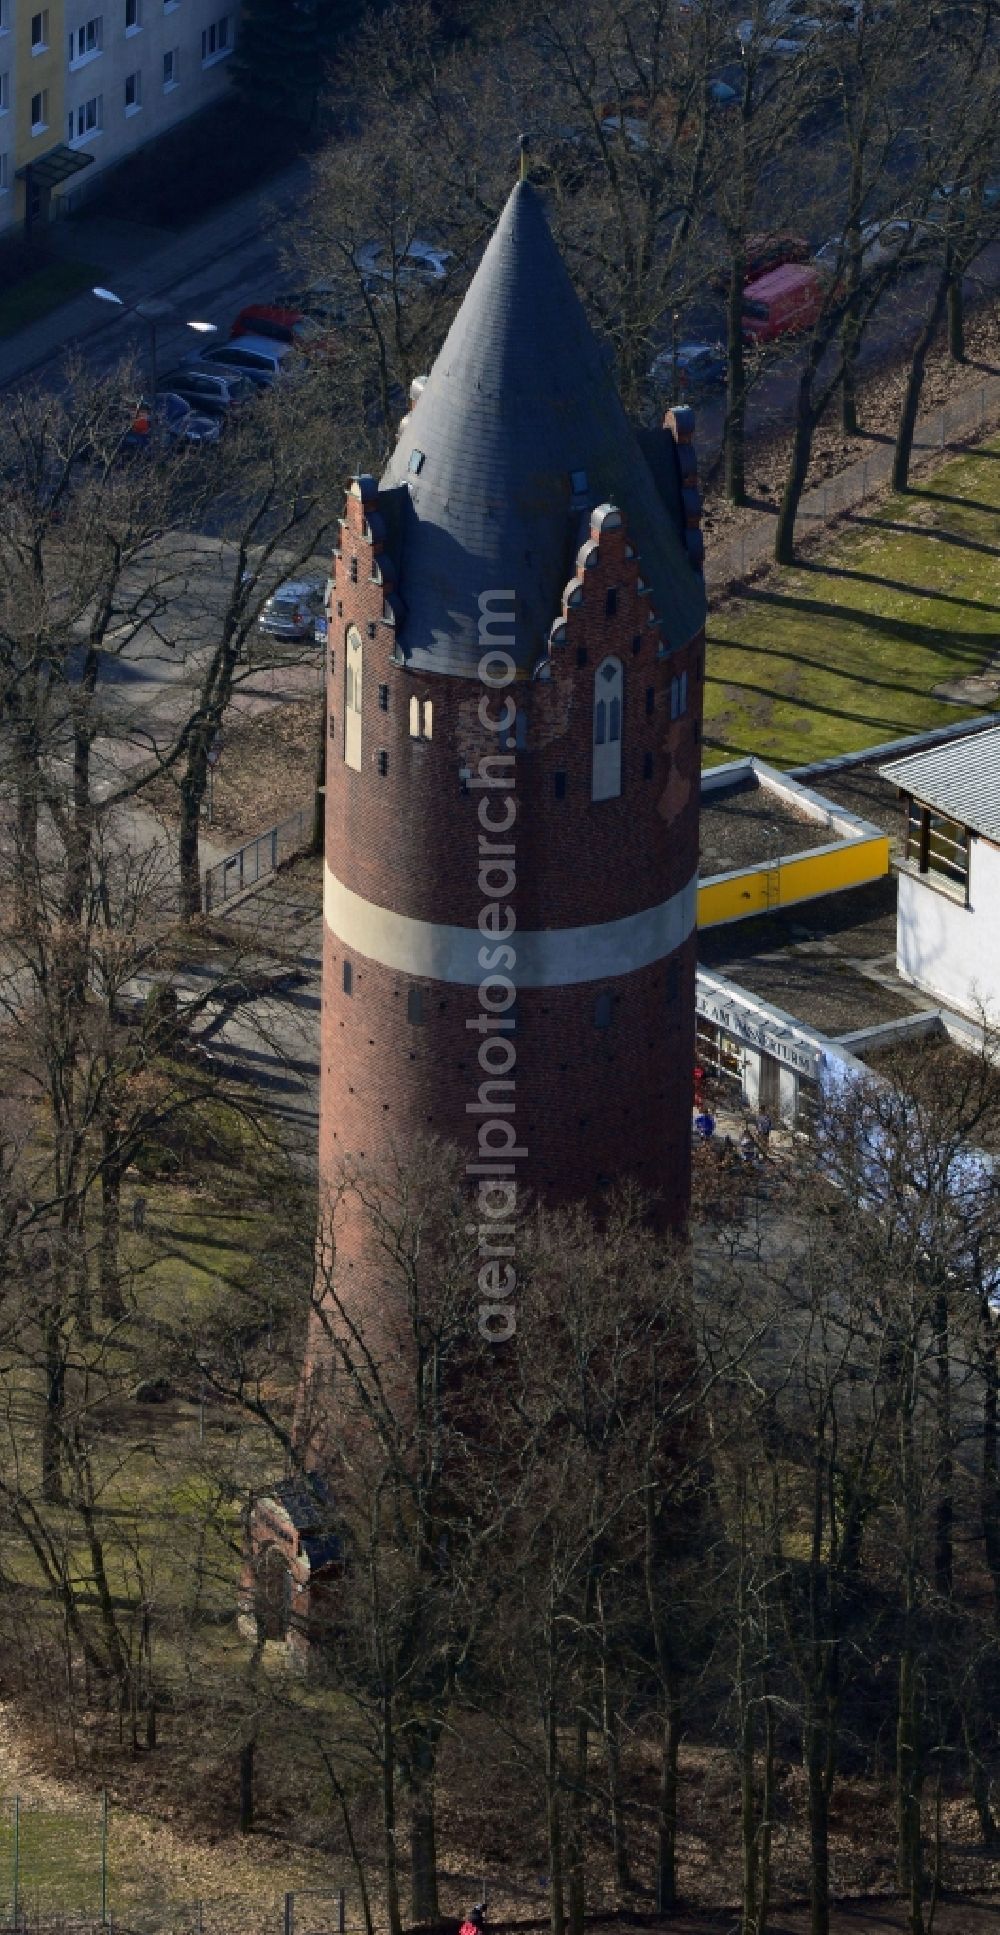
949,950
165,26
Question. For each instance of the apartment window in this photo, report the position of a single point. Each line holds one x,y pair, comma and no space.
86,41
133,92
602,1011
348,978
133,16
383,698
4,175
40,111
679,696
4,93
938,845
415,1006
610,603
88,120
171,69
215,40
383,764
40,31
559,785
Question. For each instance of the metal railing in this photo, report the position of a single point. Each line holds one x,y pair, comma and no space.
258,858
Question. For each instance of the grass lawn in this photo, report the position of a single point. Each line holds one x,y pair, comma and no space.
844,651
36,294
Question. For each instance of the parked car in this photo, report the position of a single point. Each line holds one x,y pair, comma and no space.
633,128
948,191
213,392
767,252
779,42
891,239
252,356
787,300
282,323
294,611
698,366
419,260
171,420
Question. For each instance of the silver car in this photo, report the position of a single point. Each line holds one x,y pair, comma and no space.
294,612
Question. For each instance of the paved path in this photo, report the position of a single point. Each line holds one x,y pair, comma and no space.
238,239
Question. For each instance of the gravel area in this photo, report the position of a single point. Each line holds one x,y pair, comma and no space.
860,789
751,825
830,963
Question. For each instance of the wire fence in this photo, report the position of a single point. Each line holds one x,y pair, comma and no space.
76,1869
957,423
258,858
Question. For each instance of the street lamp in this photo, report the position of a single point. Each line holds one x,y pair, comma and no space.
153,312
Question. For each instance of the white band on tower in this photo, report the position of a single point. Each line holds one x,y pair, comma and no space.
552,957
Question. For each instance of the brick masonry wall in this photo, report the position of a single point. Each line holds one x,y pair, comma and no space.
409,840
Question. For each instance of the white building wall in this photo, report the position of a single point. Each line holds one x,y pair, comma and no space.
949,950
165,27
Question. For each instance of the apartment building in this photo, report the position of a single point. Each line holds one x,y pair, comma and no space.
84,83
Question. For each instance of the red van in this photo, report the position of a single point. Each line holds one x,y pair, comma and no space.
780,303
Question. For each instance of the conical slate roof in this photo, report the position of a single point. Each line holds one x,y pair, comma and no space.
518,433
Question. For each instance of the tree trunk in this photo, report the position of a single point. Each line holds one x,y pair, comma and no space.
55,1402
317,836
989,1475
736,386
112,1169
795,482
817,1758
944,1512
956,317
192,793
248,1754
914,384
392,1906
609,1727
666,1824
577,1838
767,1819
423,1835
553,1814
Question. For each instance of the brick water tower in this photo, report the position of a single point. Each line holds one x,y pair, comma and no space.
516,665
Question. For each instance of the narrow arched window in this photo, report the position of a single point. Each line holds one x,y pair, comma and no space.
428,719
606,770
415,1006
602,1011
414,717
353,658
